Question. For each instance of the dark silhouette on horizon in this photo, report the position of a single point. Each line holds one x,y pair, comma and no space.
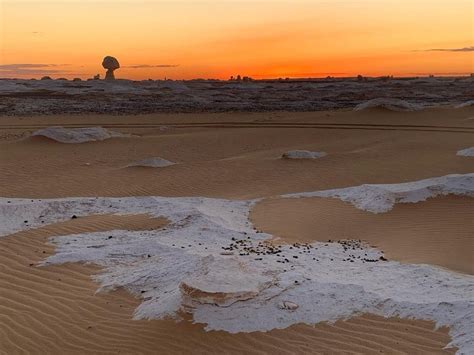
111,64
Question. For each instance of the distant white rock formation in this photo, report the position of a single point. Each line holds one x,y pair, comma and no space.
468,152
465,104
77,135
155,162
303,154
111,64
389,104
380,198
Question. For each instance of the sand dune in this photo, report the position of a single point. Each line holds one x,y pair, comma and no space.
55,309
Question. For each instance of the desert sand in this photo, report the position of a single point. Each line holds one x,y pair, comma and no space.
233,155
412,233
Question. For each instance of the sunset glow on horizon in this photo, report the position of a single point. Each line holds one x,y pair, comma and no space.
216,39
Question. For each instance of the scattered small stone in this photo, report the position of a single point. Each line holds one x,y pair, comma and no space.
288,305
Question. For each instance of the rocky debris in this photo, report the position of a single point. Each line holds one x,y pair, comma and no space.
288,305
352,250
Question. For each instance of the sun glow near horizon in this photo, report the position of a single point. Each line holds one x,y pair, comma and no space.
217,39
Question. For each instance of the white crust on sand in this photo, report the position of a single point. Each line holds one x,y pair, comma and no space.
380,198
389,104
155,162
183,265
468,152
76,135
303,154
465,104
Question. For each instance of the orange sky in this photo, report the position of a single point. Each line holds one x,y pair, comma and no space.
217,38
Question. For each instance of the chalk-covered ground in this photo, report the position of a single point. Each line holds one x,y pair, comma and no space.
468,152
210,261
27,97
381,197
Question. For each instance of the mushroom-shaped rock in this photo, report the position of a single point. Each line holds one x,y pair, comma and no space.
111,64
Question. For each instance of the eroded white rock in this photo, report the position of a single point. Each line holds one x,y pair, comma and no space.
288,305
303,154
223,283
468,152
389,104
155,162
77,135
465,104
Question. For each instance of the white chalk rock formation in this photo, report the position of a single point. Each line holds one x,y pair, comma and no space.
111,64
468,152
156,162
303,154
389,104
380,198
223,283
465,104
77,135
